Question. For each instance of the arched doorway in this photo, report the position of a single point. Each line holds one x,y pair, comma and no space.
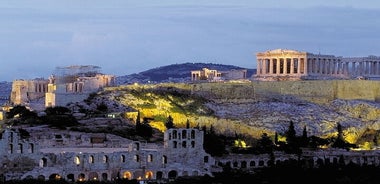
139,175
81,177
172,174
93,176
70,177
148,175
104,177
159,175
54,176
127,175
41,177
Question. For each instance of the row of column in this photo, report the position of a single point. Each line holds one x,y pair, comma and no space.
316,66
325,66
291,66
366,68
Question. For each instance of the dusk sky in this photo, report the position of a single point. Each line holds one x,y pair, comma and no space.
124,37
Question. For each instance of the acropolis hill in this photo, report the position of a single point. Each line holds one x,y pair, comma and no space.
256,107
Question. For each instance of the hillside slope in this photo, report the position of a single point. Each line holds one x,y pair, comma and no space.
358,117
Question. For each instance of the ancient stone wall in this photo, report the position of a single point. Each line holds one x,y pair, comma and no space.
318,91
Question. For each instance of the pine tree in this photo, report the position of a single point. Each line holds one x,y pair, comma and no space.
291,134
187,123
169,122
138,119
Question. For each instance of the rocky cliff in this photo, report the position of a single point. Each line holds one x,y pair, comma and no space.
256,107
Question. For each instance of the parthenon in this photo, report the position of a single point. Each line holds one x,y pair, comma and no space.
283,64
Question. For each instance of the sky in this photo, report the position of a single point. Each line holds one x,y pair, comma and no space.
130,36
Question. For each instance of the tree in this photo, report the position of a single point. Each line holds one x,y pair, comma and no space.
304,138
339,141
265,144
276,138
138,119
292,145
169,122
57,110
213,144
20,111
145,130
187,123
291,134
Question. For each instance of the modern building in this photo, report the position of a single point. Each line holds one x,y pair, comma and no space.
283,64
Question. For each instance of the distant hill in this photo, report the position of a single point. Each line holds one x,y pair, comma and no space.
174,73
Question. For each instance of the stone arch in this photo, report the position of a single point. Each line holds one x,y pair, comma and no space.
159,175
105,159
127,175
31,148
54,176
174,134
104,177
150,158
185,173
164,159
172,174
122,158
243,164
148,175
43,162
261,163
41,177
195,173
192,134
252,163
136,158
139,175
77,160
70,177
137,146
20,148
93,176
81,177
91,159
184,134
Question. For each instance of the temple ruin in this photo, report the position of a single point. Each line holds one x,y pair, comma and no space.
283,64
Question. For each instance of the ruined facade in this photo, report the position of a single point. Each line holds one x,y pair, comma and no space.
68,84
283,64
215,75
76,156
24,91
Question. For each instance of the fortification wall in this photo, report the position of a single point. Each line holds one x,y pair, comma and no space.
317,91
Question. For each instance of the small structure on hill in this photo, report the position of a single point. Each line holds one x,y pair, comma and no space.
214,75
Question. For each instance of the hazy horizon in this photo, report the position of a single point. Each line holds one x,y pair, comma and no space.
124,37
